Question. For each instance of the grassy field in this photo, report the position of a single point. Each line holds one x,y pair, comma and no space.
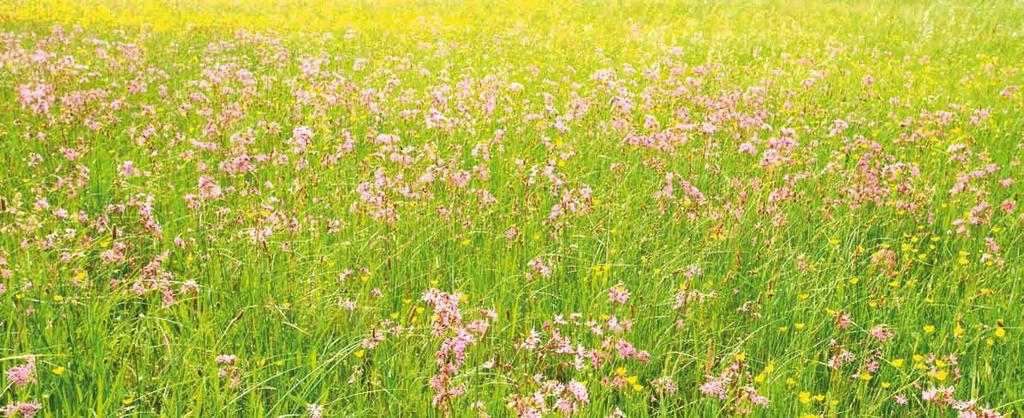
323,208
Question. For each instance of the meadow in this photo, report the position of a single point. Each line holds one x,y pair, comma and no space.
320,208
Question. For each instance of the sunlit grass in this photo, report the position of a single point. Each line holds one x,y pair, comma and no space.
303,208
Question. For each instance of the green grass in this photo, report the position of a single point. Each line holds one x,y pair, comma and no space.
860,222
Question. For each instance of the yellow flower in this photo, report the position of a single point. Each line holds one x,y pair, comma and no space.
799,325
865,377
1000,332
360,353
928,329
58,371
805,397
897,362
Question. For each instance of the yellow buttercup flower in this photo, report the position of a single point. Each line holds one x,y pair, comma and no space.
805,397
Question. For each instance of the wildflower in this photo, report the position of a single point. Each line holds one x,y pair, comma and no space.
36,97
23,375
842,320
227,359
664,385
579,392
301,139
21,409
940,395
618,294
716,387
881,333
540,267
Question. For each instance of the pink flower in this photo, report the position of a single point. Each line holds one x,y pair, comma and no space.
24,409
578,391
618,294
1008,206
301,138
843,320
664,385
315,411
940,395
228,359
446,309
36,97
881,333
128,169
190,287
716,387
755,398
23,375
540,267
